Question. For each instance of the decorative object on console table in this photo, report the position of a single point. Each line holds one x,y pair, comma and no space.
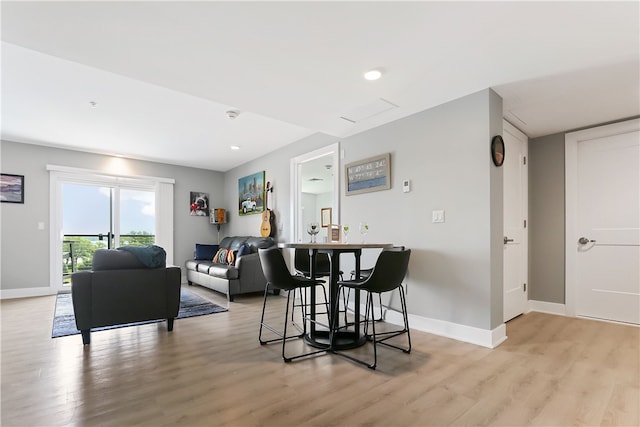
364,229
334,233
11,188
218,217
364,176
267,228
346,229
199,204
313,229
251,194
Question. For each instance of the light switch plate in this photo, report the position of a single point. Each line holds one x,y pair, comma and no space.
437,216
406,185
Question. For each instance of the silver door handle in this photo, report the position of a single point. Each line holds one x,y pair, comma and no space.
584,241
507,240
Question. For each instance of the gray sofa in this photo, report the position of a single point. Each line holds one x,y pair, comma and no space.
120,289
242,276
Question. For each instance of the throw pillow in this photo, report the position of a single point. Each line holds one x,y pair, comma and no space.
221,256
225,256
244,250
231,257
205,251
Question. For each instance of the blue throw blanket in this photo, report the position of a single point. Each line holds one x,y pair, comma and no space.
150,255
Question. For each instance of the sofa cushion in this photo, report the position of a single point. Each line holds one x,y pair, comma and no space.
205,252
115,259
203,266
192,264
223,271
233,242
260,243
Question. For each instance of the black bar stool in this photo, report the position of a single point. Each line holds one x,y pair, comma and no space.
387,275
279,278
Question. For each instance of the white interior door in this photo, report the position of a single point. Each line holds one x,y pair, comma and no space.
515,216
608,224
603,222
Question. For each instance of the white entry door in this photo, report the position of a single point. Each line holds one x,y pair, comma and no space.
515,216
606,235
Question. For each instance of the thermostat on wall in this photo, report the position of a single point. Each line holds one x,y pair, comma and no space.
406,185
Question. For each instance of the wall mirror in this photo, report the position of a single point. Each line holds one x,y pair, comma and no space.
316,182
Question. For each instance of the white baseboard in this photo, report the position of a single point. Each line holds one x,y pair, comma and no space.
548,307
26,292
482,337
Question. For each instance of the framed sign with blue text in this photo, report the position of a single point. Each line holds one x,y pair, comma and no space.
371,174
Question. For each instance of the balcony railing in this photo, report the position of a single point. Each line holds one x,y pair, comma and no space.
78,249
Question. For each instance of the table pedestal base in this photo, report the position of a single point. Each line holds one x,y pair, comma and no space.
342,340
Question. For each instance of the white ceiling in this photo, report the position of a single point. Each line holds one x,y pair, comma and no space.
162,74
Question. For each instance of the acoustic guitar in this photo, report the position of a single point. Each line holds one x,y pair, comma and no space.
267,227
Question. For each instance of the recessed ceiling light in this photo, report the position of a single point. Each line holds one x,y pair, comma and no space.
235,147
373,75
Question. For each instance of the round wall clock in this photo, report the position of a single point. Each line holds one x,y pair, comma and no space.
497,150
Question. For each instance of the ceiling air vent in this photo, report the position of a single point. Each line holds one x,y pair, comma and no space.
364,112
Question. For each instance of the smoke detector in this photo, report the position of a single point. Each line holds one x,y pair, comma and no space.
232,114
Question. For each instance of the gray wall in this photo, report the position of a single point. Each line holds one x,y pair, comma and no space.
547,216
23,246
277,166
455,272
547,219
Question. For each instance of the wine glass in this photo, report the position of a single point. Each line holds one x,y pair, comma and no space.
345,230
312,229
364,229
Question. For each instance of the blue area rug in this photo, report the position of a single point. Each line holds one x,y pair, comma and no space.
64,321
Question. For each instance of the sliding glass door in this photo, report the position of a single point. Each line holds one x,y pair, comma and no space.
86,221
102,216
92,209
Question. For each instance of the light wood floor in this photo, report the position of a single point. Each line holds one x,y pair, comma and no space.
211,371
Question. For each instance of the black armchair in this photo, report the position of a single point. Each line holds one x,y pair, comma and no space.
122,289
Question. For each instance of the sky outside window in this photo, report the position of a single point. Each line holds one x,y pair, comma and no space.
86,210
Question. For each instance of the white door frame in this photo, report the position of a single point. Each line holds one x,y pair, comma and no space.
524,205
571,199
297,232
164,207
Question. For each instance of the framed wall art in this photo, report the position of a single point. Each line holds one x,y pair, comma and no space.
198,204
326,214
364,176
11,188
251,194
